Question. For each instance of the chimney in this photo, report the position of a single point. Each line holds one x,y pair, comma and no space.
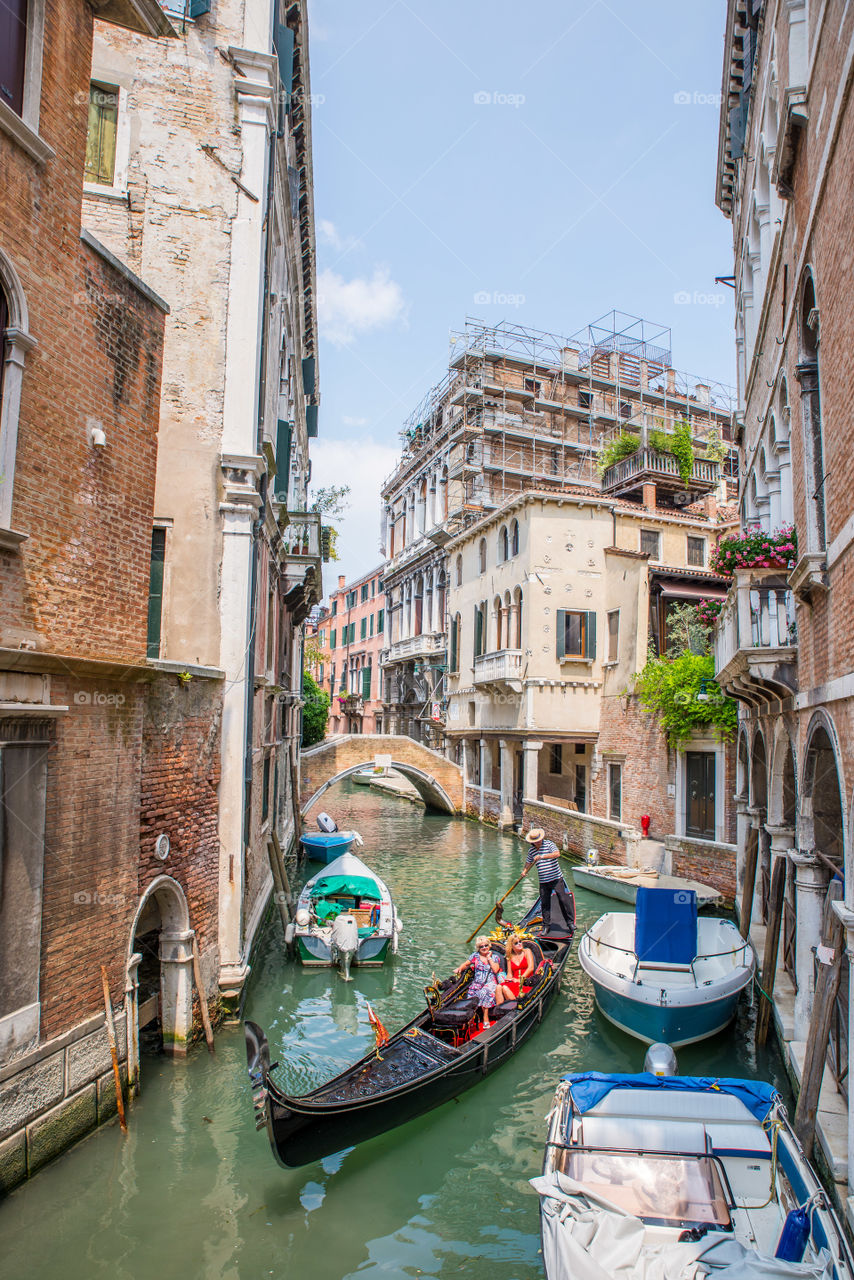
671,381
649,496
710,504
569,358
341,581
704,394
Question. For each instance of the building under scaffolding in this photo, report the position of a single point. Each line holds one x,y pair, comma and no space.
520,409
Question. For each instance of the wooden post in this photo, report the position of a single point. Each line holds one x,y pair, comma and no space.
826,988
282,868
772,944
203,999
278,885
111,1036
751,855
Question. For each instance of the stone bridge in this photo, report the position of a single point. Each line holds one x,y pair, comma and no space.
438,781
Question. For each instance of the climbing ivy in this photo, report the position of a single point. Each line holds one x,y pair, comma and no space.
622,446
669,688
680,445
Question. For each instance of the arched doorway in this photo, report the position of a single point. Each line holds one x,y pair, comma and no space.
159,986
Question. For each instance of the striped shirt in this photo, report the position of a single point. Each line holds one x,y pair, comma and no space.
549,869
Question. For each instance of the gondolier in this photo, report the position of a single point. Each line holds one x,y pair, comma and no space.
545,854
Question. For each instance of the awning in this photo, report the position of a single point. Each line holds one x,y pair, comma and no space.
688,591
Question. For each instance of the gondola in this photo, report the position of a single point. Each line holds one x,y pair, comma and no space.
435,1057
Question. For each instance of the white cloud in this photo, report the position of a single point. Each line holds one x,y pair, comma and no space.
354,422
349,308
363,464
328,233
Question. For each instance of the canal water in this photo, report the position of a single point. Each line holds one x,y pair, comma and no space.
194,1191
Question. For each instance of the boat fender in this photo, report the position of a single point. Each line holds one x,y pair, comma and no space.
357,840
290,932
303,919
794,1236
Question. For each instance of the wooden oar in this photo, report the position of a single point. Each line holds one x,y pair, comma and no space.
498,904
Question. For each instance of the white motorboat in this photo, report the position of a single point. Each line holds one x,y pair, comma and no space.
662,973
622,883
681,1177
345,916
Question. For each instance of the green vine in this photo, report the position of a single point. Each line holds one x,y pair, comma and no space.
680,445
683,694
622,446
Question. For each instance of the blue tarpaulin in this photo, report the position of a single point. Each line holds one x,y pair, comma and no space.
589,1087
665,926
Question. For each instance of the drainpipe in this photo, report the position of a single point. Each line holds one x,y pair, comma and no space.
250,666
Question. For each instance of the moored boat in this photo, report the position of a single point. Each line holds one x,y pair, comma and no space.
437,1056
681,1176
662,973
622,883
322,846
345,915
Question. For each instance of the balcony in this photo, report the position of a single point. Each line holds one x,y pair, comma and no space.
499,671
301,554
350,703
756,644
647,466
429,645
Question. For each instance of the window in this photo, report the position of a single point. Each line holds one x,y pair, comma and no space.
15,342
373,587
380,621
479,630
13,53
363,629
555,462
100,166
514,538
352,630
533,385
700,794
365,591
482,556
459,571
321,639
613,634
454,655
581,785
650,540
697,552
333,636
334,609
625,409
265,790
585,399
576,634
155,591
615,792
351,599
366,683
556,758
371,628
332,677
503,545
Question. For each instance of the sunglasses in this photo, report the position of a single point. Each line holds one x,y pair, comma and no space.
483,948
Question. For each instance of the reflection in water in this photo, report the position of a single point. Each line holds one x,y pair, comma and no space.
194,1191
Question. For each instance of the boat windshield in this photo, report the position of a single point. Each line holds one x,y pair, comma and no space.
671,1190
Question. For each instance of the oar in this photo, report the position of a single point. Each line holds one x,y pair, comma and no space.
498,904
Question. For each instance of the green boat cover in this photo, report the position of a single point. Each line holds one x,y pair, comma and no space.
349,886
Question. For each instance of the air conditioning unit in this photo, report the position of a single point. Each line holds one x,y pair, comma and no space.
682,499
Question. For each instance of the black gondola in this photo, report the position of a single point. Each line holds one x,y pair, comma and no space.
429,1061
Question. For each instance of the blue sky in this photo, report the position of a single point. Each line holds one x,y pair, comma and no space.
539,163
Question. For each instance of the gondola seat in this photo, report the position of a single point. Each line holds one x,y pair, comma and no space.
455,1016
502,1010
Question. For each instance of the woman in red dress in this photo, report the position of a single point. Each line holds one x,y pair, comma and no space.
520,966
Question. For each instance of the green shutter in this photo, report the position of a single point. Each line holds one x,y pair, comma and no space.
311,420
155,591
283,460
363,629
284,43
366,683
590,636
372,625
455,642
380,621
333,636
560,627
478,633
308,368
198,7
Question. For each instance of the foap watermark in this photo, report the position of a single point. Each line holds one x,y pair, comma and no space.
98,698
483,98
485,298
686,98
83,898
696,299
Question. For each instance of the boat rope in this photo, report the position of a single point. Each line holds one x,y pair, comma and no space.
772,1124
762,990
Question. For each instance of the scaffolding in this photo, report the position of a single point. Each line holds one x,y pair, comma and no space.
521,408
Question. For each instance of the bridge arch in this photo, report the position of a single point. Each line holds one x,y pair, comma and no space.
437,780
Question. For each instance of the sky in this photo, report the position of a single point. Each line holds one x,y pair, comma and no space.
541,163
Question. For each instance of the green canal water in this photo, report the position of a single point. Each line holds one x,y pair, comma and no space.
194,1191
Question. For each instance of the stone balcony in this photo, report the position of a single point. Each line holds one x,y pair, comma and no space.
301,549
647,466
430,644
500,671
756,643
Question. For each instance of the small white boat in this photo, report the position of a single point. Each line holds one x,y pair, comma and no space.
344,916
680,1177
662,973
365,777
622,883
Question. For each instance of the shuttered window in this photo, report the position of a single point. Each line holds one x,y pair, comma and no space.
284,42
366,683
453,663
155,592
576,634
380,621
363,629
478,632
100,166
283,460
333,637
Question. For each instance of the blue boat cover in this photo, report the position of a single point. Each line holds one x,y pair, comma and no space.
666,926
589,1087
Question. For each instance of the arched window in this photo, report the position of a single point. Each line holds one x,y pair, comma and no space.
808,376
514,538
499,623
503,545
482,556
480,629
459,578
517,609
15,342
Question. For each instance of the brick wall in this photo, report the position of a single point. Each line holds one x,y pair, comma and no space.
323,762
581,832
631,737
703,860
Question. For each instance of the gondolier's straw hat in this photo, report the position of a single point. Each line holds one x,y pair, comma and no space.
535,835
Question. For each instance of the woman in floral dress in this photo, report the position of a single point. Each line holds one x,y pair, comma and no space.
486,978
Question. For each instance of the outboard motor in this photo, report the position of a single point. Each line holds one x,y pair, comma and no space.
327,824
660,1060
345,941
